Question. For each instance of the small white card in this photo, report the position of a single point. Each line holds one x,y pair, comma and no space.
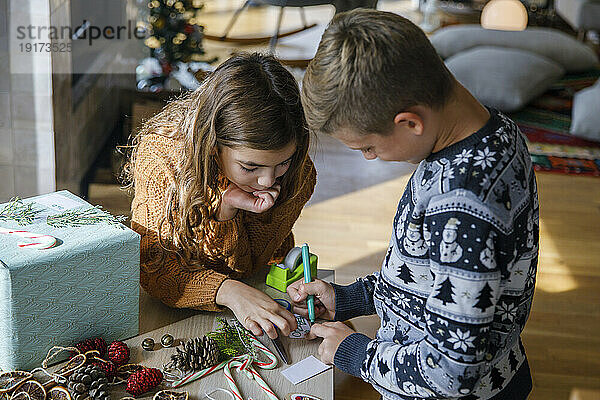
304,370
303,328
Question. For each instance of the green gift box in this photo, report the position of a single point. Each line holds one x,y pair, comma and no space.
85,286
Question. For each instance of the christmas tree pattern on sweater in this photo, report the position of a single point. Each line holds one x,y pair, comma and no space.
456,285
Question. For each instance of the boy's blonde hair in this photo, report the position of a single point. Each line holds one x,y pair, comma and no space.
370,66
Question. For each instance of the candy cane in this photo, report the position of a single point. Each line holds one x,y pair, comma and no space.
243,363
39,241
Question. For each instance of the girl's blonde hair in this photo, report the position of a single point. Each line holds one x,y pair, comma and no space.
249,101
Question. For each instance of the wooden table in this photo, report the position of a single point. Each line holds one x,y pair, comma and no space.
199,324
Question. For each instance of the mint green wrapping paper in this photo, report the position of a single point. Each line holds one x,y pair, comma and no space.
87,286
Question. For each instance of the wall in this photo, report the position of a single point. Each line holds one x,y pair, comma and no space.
27,164
47,142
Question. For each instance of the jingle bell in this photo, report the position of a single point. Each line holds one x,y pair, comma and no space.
167,340
148,344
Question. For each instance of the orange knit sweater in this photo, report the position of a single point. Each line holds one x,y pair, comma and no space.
238,248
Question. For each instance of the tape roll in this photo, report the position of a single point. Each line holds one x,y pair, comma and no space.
293,258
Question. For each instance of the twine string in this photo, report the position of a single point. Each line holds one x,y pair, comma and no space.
55,351
61,380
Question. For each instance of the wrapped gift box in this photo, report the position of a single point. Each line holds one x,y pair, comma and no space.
86,286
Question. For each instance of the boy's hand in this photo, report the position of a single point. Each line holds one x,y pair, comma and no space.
324,298
333,333
234,199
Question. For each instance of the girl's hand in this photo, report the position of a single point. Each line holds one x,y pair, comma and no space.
255,310
324,298
257,202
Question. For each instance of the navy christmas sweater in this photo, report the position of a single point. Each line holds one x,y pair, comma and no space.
457,282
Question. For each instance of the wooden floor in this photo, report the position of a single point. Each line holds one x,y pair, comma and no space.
348,224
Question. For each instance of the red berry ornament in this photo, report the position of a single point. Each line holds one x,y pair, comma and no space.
92,344
143,381
118,353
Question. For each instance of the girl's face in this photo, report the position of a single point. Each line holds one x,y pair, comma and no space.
253,170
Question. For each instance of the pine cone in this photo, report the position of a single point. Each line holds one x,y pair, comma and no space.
108,367
118,353
196,354
143,381
88,381
92,344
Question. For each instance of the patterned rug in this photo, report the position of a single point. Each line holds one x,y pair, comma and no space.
546,123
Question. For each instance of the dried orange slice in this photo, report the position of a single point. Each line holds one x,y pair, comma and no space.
21,396
170,395
45,378
9,381
71,365
30,390
128,369
58,393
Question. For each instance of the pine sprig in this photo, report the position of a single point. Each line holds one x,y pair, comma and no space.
84,216
16,210
232,341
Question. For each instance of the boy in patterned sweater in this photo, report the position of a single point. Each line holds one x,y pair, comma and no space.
456,286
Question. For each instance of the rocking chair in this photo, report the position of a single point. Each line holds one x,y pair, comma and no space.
340,5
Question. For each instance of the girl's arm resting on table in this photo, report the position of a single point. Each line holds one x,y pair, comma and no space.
162,272
164,277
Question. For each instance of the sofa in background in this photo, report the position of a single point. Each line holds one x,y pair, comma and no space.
582,15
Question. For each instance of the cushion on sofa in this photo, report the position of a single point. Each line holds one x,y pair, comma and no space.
553,44
505,79
585,115
580,14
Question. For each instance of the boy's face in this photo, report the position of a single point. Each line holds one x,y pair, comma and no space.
401,144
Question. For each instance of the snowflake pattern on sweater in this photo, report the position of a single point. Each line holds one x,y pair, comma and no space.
457,282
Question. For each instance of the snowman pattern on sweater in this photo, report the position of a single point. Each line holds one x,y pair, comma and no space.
450,250
457,282
487,255
414,244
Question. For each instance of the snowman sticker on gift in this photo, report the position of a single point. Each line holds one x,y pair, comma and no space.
413,241
450,250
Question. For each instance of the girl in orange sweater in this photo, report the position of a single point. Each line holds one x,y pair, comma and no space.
220,177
